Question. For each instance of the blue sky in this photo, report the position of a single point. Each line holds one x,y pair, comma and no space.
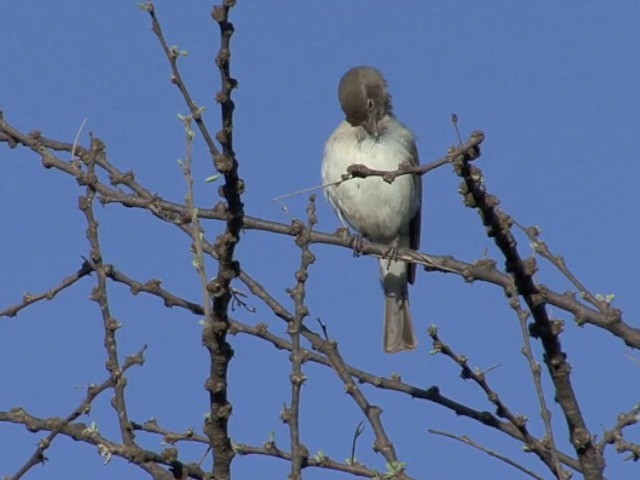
554,88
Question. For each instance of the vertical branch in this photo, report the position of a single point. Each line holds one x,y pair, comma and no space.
329,350
195,230
214,336
534,367
498,225
215,332
172,55
291,415
99,294
220,14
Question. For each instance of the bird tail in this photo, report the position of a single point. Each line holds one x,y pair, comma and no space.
399,334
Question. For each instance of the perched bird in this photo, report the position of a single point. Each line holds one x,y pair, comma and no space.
379,211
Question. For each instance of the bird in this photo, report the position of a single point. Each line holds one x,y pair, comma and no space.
381,212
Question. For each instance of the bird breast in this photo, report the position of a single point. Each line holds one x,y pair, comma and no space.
376,209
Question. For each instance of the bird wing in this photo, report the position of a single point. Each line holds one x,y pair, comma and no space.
415,224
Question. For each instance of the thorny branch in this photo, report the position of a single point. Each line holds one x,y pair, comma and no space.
471,149
214,334
541,248
56,426
498,226
465,439
291,414
215,330
153,287
85,165
546,451
29,298
482,270
145,459
99,295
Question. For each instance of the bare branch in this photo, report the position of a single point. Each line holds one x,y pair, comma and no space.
83,409
99,295
469,150
145,459
498,226
466,440
542,249
482,270
291,415
319,460
615,436
546,451
173,55
66,282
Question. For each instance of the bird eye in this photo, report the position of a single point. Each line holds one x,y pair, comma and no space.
369,104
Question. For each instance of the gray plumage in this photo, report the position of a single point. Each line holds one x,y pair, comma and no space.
381,212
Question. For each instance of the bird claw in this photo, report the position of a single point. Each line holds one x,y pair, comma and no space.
391,253
356,244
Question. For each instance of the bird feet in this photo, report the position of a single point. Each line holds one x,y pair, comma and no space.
391,253
356,244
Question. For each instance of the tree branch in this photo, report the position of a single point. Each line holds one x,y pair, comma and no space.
498,226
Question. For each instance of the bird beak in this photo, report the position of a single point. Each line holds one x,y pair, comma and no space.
371,126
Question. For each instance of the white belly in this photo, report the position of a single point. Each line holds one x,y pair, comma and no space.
376,209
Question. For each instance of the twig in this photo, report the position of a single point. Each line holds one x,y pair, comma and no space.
466,440
482,270
261,331
99,295
498,226
454,121
502,410
29,299
305,190
320,460
359,170
291,415
534,368
83,409
354,442
145,459
196,230
470,150
215,332
77,139
615,435
542,249
172,55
